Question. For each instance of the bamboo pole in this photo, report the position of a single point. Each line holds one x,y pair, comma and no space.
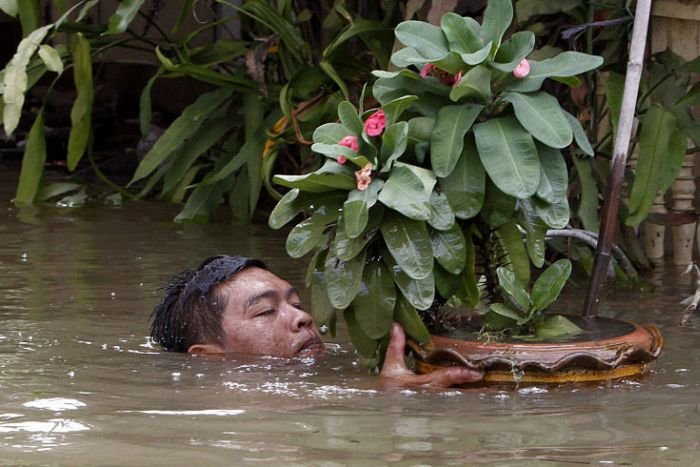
619,160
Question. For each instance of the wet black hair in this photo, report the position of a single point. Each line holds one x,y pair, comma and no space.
190,311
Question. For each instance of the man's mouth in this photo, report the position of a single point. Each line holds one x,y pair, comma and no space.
312,347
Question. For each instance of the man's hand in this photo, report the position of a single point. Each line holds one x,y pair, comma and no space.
396,373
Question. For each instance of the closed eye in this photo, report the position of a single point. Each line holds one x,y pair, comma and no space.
266,312
298,306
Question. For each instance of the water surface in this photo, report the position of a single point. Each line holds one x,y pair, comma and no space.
80,383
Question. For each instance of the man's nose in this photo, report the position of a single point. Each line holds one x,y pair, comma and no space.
301,319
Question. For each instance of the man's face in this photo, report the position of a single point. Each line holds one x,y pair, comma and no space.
264,316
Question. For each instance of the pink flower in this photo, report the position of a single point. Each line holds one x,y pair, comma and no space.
350,142
375,124
364,177
426,70
522,70
341,160
457,78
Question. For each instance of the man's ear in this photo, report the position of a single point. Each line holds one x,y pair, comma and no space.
204,349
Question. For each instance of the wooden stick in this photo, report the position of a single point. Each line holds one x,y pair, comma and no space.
617,170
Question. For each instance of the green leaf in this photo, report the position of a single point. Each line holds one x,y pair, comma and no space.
465,187
295,202
556,326
420,129
32,163
509,156
81,112
446,284
343,278
449,249
405,192
564,65
476,83
441,215
365,346
15,78
468,290
614,87
307,234
447,141
336,150
374,304
263,12
394,142
393,109
51,58
409,319
9,7
513,51
186,125
477,57
331,133
200,204
426,39
462,33
505,311
662,148
349,118
188,153
330,177
330,70
588,204
691,98
321,307
498,207
145,106
403,58
409,243
496,322
497,19
356,208
526,9
29,15
514,288
555,215
550,284
56,189
394,85
579,134
125,14
358,27
356,214
347,248
554,177
419,292
515,255
536,230
540,114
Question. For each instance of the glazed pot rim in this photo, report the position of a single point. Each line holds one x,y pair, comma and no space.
642,345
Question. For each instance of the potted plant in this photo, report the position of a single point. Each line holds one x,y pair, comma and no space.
459,165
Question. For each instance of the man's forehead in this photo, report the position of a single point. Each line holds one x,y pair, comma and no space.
252,282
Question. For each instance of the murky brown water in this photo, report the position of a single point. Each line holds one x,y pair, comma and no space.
80,385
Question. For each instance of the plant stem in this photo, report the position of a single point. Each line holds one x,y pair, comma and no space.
617,171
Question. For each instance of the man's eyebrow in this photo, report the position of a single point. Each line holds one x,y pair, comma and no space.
268,294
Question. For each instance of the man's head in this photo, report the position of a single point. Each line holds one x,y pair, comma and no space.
233,304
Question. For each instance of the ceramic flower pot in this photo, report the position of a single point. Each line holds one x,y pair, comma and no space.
607,349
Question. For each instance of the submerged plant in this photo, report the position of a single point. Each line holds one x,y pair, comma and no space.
461,158
268,86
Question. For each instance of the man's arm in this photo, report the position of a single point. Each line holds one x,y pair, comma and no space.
396,373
